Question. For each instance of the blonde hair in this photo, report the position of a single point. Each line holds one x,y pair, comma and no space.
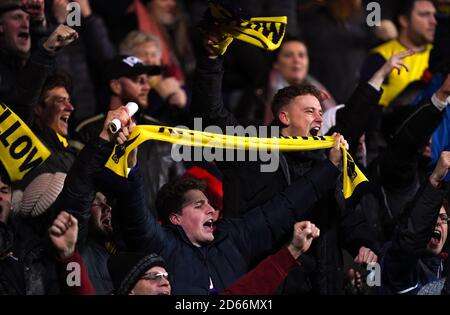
136,38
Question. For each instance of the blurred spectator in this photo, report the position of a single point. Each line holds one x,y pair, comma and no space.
23,75
86,58
98,245
417,25
338,40
165,19
167,97
291,67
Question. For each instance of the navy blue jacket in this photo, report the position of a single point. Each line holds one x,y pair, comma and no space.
239,243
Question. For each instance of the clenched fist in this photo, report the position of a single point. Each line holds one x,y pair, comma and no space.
304,233
62,36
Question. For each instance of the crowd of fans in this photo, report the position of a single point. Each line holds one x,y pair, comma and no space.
225,227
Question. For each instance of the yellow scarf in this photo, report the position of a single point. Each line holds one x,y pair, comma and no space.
20,149
263,32
117,162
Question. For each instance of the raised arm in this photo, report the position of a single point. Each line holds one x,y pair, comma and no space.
267,276
262,228
95,34
25,93
353,119
79,187
400,262
399,164
63,234
207,101
141,231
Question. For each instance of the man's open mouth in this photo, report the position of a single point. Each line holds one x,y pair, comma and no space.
24,35
107,222
436,236
209,223
65,118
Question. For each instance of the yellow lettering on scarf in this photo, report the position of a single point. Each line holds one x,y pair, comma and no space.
117,162
20,149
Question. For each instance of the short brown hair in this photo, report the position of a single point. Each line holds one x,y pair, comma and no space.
287,94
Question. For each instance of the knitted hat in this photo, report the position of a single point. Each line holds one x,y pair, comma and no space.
126,268
41,193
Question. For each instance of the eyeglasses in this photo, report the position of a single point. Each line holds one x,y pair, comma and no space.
444,218
155,276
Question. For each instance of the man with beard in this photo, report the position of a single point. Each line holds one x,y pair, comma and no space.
417,25
98,245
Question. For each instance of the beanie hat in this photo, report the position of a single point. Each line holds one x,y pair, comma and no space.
41,193
126,268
